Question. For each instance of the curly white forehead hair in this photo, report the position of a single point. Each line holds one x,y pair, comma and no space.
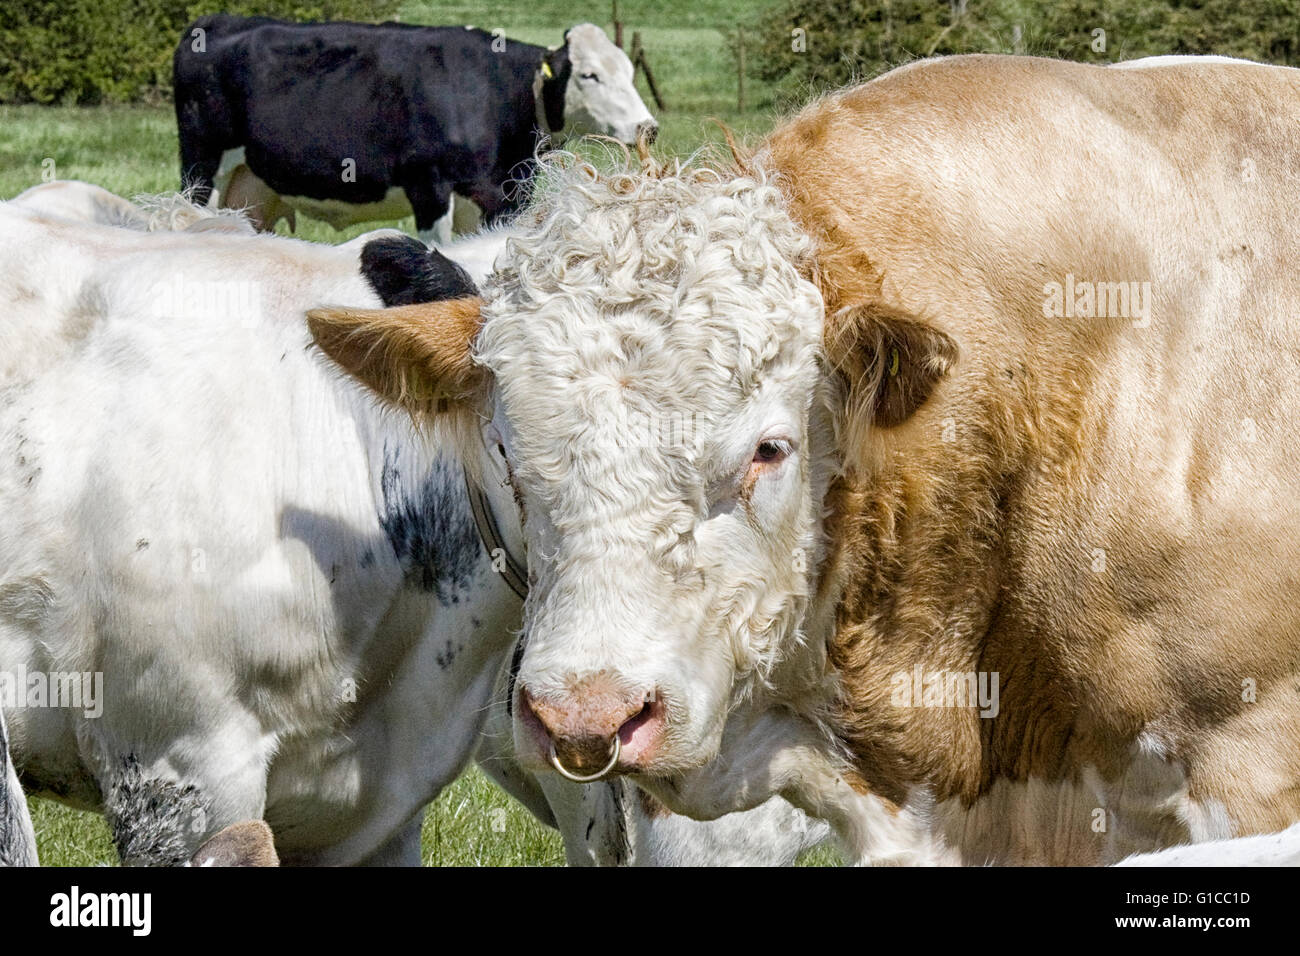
638,299
705,257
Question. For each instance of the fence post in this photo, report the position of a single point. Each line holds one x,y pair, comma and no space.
740,70
639,59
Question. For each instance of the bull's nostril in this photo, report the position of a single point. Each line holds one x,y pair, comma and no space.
642,733
629,727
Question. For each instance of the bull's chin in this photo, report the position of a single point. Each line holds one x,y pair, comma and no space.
664,763
672,789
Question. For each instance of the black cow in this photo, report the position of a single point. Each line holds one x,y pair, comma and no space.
351,122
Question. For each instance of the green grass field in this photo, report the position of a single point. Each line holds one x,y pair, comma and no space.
132,150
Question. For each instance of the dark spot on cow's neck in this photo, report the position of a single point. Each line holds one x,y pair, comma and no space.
447,656
430,528
23,456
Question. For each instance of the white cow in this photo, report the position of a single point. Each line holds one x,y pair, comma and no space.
626,833
259,575
42,287
1272,849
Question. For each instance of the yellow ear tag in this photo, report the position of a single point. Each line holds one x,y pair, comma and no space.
546,71
893,362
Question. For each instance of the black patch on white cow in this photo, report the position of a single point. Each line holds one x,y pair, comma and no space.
402,271
622,846
447,656
154,822
432,532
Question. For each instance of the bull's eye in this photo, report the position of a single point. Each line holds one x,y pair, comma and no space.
591,76
770,452
501,450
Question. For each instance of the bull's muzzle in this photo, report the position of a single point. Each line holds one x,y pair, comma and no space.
596,722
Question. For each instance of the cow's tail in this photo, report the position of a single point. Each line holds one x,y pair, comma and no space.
17,838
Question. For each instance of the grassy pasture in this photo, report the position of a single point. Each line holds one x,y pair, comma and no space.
133,149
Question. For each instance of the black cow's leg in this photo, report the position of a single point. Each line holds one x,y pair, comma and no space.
431,201
491,198
197,174
200,152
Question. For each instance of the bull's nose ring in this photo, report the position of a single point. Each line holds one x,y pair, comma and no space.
568,774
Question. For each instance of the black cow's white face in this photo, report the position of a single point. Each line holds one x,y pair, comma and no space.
600,97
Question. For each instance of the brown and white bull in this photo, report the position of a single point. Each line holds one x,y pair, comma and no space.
999,567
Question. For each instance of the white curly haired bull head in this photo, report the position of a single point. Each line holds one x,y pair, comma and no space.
650,368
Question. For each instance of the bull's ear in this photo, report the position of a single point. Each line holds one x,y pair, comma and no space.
891,360
415,356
